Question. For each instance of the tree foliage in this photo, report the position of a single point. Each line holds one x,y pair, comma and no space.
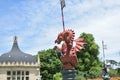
50,64
88,57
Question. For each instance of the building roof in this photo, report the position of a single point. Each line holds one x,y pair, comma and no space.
16,55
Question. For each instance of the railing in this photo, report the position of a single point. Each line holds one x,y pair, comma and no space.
24,64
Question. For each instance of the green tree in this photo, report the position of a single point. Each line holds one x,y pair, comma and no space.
88,60
88,57
50,64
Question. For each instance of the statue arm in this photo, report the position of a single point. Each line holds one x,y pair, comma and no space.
57,48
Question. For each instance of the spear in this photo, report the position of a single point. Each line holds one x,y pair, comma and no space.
62,2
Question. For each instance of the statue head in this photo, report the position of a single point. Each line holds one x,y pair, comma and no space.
59,38
67,36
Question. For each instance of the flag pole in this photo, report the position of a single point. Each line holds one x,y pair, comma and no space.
62,6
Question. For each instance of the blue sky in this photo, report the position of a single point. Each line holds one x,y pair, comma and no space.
37,23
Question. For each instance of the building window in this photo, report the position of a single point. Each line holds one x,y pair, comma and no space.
18,78
17,75
22,78
22,72
27,78
14,72
8,72
27,72
8,78
18,72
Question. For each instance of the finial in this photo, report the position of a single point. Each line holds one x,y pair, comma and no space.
15,38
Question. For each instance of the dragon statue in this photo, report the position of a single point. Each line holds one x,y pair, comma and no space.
68,52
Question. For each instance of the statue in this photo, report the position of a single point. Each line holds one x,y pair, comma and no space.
67,53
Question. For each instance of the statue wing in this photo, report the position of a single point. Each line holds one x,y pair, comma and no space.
79,44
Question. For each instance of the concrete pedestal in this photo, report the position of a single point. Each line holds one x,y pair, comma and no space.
69,74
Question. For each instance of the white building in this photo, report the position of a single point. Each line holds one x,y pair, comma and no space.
17,65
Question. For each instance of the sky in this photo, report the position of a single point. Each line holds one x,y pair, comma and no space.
37,23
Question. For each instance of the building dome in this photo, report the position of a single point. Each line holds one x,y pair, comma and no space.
16,55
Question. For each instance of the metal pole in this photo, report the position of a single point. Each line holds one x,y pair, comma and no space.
62,17
119,55
103,53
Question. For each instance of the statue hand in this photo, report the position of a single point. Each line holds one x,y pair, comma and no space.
55,47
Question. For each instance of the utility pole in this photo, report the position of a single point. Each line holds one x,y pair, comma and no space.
104,47
105,71
119,58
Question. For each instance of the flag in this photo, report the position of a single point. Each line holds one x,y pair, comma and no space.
62,4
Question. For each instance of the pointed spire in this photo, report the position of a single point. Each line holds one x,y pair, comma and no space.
15,45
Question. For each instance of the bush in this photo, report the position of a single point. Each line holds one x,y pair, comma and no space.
81,76
113,72
57,76
119,71
95,73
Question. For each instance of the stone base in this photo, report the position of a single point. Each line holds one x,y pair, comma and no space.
69,74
